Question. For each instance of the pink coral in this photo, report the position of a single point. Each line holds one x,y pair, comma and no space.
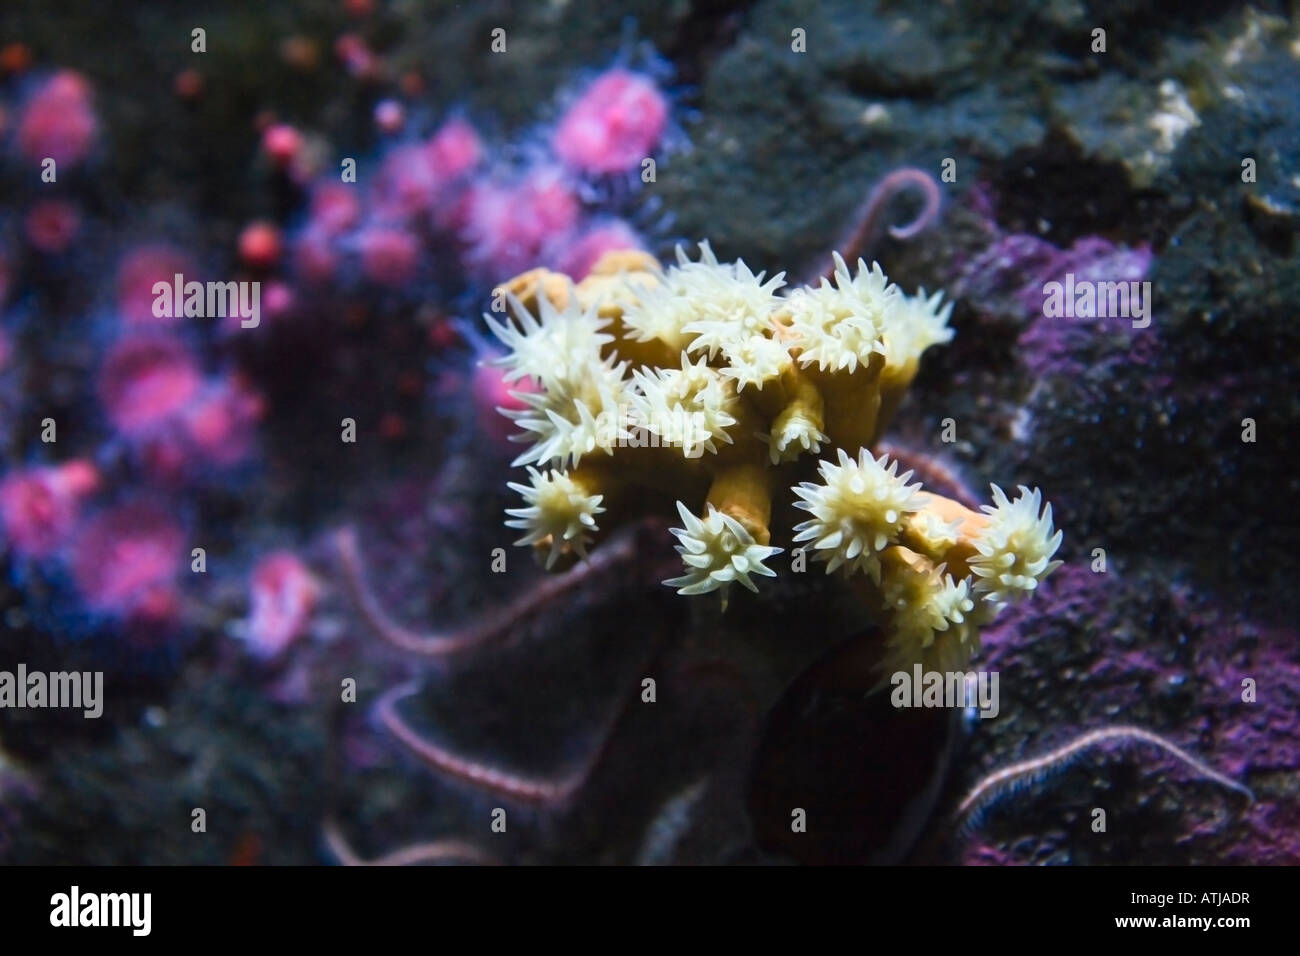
39,506
137,273
454,150
315,256
125,562
58,121
492,393
284,594
220,422
52,224
407,182
281,143
614,125
577,258
334,208
389,255
146,381
509,225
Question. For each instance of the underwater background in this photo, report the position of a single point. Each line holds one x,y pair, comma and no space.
185,508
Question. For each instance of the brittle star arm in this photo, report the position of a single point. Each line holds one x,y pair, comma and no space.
1000,782
435,851
532,790
618,550
867,219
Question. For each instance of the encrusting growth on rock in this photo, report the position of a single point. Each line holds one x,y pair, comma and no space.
713,391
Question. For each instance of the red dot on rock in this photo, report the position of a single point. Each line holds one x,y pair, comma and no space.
281,142
259,245
188,84
15,58
52,225
392,426
389,116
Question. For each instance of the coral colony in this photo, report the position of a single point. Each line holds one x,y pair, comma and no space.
498,217
708,391
436,213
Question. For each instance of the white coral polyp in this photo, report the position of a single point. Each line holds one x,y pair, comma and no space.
913,324
928,603
568,421
717,552
690,407
1015,548
557,510
702,305
659,312
556,347
857,511
793,435
840,326
935,535
733,303
754,360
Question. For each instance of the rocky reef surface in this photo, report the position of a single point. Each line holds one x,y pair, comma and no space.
1168,158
